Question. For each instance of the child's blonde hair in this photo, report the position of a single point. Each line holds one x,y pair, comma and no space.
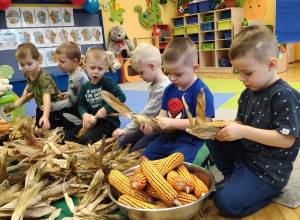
71,49
27,49
181,47
97,53
257,41
144,54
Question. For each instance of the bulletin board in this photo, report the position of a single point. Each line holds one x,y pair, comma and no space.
81,19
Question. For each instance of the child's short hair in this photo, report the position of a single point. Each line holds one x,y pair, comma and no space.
256,40
71,49
144,54
27,49
95,52
181,47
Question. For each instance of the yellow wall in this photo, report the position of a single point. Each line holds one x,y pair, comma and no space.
269,18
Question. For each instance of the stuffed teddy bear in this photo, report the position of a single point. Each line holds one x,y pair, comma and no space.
119,43
5,86
112,62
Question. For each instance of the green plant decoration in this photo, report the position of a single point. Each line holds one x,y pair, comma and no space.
152,15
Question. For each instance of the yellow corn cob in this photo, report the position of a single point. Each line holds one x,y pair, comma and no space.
4,128
185,174
151,192
133,202
164,165
162,204
176,181
122,184
138,181
200,188
137,171
161,186
186,198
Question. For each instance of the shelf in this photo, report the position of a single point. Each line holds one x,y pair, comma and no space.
209,59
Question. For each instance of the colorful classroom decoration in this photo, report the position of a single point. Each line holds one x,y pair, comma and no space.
116,12
13,17
91,6
152,15
255,10
41,16
106,6
78,2
4,4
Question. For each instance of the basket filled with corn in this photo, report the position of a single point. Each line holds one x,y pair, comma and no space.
162,189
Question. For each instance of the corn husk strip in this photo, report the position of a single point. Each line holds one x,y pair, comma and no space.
8,197
13,203
34,173
116,104
18,167
92,205
94,157
93,190
71,192
190,117
106,208
84,130
37,212
25,197
7,189
3,166
55,214
21,101
87,214
54,148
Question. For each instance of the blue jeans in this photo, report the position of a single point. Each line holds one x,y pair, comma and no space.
244,192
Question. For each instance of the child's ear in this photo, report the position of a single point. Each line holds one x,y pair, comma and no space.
75,61
152,66
272,64
195,67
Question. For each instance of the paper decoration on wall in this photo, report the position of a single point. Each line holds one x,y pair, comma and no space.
41,16
23,36
38,37
86,35
67,16
63,35
2,40
55,16
106,6
74,35
13,17
50,56
10,39
51,37
28,18
255,10
152,15
116,12
43,62
97,35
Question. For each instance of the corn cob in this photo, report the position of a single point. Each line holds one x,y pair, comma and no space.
4,128
162,204
176,181
84,130
161,186
133,202
138,181
200,188
186,198
185,174
151,192
137,171
122,184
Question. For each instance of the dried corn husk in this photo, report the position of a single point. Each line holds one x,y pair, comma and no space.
201,128
127,113
21,101
84,130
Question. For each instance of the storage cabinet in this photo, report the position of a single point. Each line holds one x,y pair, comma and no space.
212,33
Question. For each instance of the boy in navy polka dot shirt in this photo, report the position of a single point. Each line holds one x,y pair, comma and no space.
256,158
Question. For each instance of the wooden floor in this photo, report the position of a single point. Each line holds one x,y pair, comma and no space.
273,211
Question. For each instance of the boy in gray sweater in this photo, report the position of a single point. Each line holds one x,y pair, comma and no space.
146,61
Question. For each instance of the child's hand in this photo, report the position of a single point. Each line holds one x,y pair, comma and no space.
44,123
230,132
86,120
101,113
165,123
118,132
62,96
146,128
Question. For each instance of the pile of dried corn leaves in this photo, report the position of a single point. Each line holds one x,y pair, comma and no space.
45,171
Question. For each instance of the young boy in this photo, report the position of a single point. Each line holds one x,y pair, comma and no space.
146,61
180,62
91,103
256,158
69,55
41,85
